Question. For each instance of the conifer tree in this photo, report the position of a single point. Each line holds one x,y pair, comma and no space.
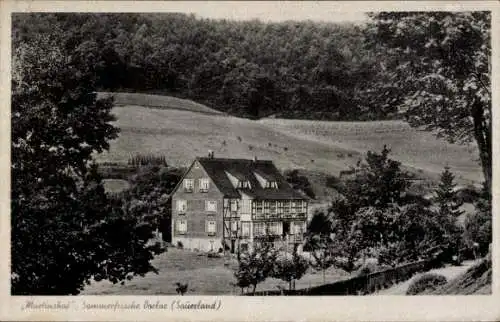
446,195
449,209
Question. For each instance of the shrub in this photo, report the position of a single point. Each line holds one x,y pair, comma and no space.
180,244
300,182
369,267
334,182
467,195
478,226
285,148
147,159
425,283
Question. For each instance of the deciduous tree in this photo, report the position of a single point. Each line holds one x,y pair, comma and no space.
441,61
255,266
64,230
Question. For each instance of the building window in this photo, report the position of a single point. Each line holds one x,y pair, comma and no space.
286,207
298,228
266,207
211,227
304,206
244,185
258,207
234,205
181,206
246,206
280,207
271,185
245,229
259,229
275,228
181,226
188,185
234,226
210,205
204,184
272,207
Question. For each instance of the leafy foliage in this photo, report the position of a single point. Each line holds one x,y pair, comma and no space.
376,219
362,220
255,266
300,182
289,268
369,267
478,226
378,182
149,196
441,64
64,229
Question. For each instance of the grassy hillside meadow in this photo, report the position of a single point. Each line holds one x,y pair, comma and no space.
176,129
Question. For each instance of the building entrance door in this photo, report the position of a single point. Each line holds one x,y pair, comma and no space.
286,228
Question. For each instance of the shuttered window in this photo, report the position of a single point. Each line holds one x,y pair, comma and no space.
211,205
181,226
211,227
181,206
188,185
204,184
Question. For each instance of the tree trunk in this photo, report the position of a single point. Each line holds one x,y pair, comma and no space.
254,287
482,135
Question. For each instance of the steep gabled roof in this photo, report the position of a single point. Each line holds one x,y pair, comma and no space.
243,168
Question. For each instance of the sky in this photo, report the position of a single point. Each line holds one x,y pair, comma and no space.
270,10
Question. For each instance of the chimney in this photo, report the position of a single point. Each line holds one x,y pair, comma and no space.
254,158
210,154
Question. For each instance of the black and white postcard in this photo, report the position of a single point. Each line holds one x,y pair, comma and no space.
249,161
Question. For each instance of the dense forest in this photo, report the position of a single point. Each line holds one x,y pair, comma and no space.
249,68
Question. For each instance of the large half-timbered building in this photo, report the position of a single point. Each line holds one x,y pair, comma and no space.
231,204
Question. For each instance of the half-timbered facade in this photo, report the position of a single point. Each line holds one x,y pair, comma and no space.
231,204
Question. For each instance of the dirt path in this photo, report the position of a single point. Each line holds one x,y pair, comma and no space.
450,272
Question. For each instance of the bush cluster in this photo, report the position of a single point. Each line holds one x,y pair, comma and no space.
425,283
147,159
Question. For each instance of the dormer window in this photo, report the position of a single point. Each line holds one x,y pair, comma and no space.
266,181
238,180
271,185
244,185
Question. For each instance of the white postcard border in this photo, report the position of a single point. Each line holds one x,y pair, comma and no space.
342,308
